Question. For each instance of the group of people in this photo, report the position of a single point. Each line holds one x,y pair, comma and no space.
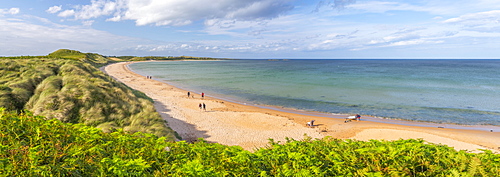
201,105
357,117
149,77
311,124
202,95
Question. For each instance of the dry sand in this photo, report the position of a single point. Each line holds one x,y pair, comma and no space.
251,127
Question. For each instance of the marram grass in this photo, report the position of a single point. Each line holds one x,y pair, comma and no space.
74,91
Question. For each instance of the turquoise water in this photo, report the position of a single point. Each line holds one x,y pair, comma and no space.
441,91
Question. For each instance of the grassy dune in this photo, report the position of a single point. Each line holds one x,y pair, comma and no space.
67,85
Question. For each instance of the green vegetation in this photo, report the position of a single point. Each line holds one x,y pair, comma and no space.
34,146
91,58
66,85
134,58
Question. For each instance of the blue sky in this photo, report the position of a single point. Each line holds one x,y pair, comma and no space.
326,29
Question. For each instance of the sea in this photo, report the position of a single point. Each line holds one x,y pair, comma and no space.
458,92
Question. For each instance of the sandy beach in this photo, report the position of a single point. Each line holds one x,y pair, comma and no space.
251,127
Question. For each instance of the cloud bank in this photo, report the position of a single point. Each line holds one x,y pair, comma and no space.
258,28
178,12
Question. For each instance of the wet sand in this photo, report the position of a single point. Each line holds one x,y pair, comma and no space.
251,127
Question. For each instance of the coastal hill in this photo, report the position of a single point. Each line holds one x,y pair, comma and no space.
91,58
68,85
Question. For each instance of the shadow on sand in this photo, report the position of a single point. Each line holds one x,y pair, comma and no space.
187,131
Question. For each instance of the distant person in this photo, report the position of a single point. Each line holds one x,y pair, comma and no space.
189,94
200,106
204,107
311,124
202,95
358,117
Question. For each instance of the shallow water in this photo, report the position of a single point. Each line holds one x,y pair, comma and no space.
441,91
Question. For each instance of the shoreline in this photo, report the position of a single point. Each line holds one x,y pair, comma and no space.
385,120
368,117
342,116
250,126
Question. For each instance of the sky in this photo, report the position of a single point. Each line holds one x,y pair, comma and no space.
254,29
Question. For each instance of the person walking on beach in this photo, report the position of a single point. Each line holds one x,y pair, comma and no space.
200,106
189,94
358,117
204,107
202,95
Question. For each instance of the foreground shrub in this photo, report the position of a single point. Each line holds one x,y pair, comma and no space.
34,146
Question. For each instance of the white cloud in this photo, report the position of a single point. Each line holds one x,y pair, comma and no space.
488,21
11,11
477,18
54,9
96,9
179,12
66,13
400,38
413,42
